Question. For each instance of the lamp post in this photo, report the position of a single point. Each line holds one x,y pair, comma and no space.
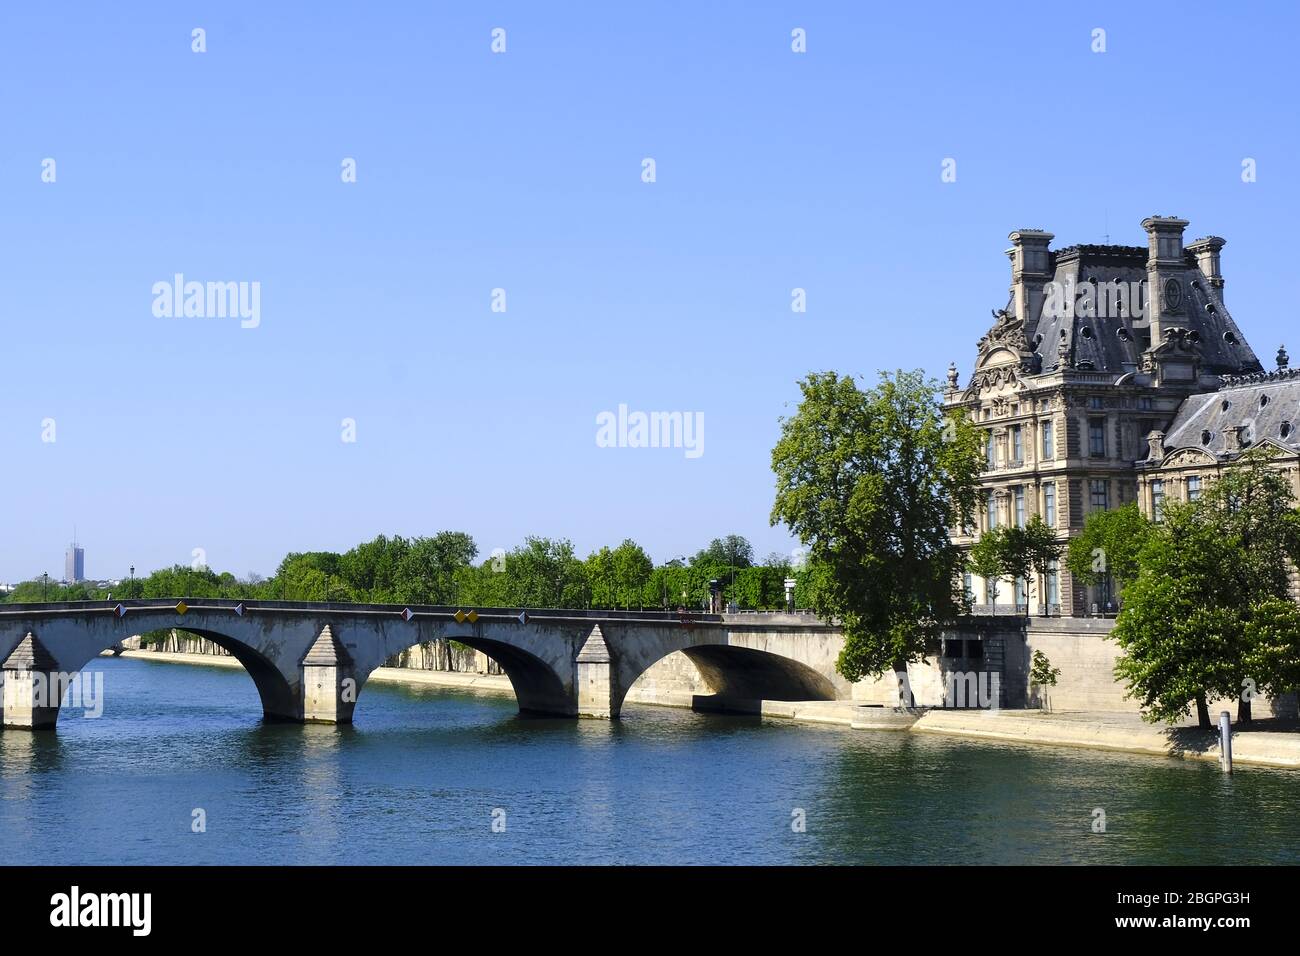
132,591
45,592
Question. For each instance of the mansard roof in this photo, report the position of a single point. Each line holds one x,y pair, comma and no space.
1115,342
1265,405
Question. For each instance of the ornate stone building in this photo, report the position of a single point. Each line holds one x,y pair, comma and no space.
1098,385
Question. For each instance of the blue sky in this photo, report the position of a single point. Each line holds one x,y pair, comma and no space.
522,171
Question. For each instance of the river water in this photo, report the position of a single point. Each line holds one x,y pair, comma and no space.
431,776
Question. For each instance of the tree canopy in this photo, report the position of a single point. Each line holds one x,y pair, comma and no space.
1208,612
871,481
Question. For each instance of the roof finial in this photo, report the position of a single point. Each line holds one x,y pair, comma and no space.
1283,360
952,376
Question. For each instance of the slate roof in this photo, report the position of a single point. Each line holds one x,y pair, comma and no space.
1115,344
1263,404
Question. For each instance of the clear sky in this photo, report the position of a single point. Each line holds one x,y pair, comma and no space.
522,171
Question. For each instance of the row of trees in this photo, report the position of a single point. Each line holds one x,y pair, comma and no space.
1011,551
1206,606
444,569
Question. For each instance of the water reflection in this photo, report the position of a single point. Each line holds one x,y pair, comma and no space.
417,780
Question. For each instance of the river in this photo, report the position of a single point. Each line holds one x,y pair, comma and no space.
424,774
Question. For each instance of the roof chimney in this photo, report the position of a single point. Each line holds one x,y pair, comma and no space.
1207,260
1235,438
1165,268
1031,268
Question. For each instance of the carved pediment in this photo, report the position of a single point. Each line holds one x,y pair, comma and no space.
999,378
1182,457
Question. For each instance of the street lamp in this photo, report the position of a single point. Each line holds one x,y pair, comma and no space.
132,591
45,593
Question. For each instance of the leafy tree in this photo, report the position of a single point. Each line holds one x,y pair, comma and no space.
733,551
618,576
426,572
544,573
988,557
1031,553
1177,630
1041,672
1109,545
871,482
1209,612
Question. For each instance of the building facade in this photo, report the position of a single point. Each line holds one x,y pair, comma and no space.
1097,385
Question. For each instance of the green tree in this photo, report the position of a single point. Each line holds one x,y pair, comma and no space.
1109,546
871,482
1209,611
544,573
618,576
988,557
1042,674
1178,630
1035,551
426,573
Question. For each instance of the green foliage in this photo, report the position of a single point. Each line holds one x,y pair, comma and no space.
988,558
1017,552
441,570
34,592
1109,545
1042,672
733,551
618,577
871,482
1209,611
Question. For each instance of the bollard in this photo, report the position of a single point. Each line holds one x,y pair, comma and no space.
1225,742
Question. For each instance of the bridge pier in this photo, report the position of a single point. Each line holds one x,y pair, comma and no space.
329,686
592,679
33,688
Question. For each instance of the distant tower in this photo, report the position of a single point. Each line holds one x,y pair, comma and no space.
74,564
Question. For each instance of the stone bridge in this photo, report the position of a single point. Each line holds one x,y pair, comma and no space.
310,660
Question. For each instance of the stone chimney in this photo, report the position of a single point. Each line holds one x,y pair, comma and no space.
1207,260
1031,269
1156,446
1166,296
1234,438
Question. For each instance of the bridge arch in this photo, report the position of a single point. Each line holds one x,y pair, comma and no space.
538,686
42,656
279,698
741,663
